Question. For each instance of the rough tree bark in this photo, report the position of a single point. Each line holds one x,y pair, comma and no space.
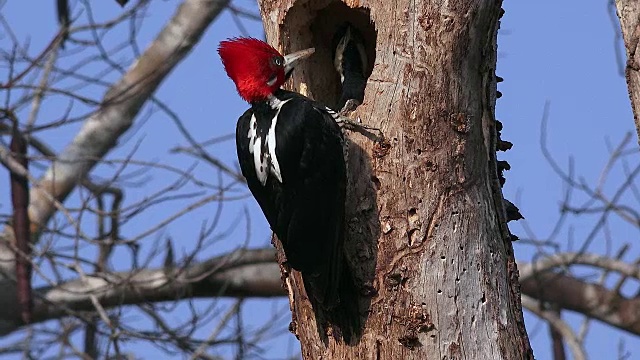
629,15
426,227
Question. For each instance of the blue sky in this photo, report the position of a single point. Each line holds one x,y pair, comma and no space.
562,53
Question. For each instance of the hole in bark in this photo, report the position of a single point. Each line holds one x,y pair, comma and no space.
461,247
439,291
414,237
412,212
410,341
442,257
393,280
483,299
376,182
314,24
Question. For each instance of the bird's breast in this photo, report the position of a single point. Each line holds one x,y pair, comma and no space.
263,143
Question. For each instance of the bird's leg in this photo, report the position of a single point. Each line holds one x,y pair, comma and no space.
357,125
349,106
372,133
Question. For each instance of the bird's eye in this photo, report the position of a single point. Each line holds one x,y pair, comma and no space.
278,61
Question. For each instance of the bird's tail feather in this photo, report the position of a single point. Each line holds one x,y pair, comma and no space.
335,299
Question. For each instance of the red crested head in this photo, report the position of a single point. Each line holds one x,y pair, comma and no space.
257,69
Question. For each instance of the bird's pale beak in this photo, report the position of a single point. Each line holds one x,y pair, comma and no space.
292,59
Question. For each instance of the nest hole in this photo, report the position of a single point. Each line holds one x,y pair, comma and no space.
312,23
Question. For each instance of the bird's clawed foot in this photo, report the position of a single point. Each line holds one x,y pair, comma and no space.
357,125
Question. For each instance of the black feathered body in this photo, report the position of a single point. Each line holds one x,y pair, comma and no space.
350,60
290,150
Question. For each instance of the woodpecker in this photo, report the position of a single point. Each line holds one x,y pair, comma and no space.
350,60
290,150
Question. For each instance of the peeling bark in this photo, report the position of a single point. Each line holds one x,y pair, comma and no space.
427,233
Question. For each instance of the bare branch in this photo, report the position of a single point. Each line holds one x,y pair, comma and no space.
566,259
121,104
591,300
73,254
561,326
244,273
557,340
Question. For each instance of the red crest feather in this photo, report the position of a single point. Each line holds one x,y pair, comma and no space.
252,65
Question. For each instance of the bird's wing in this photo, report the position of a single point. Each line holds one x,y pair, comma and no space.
315,231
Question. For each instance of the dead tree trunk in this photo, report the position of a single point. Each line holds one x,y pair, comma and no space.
427,237
629,15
